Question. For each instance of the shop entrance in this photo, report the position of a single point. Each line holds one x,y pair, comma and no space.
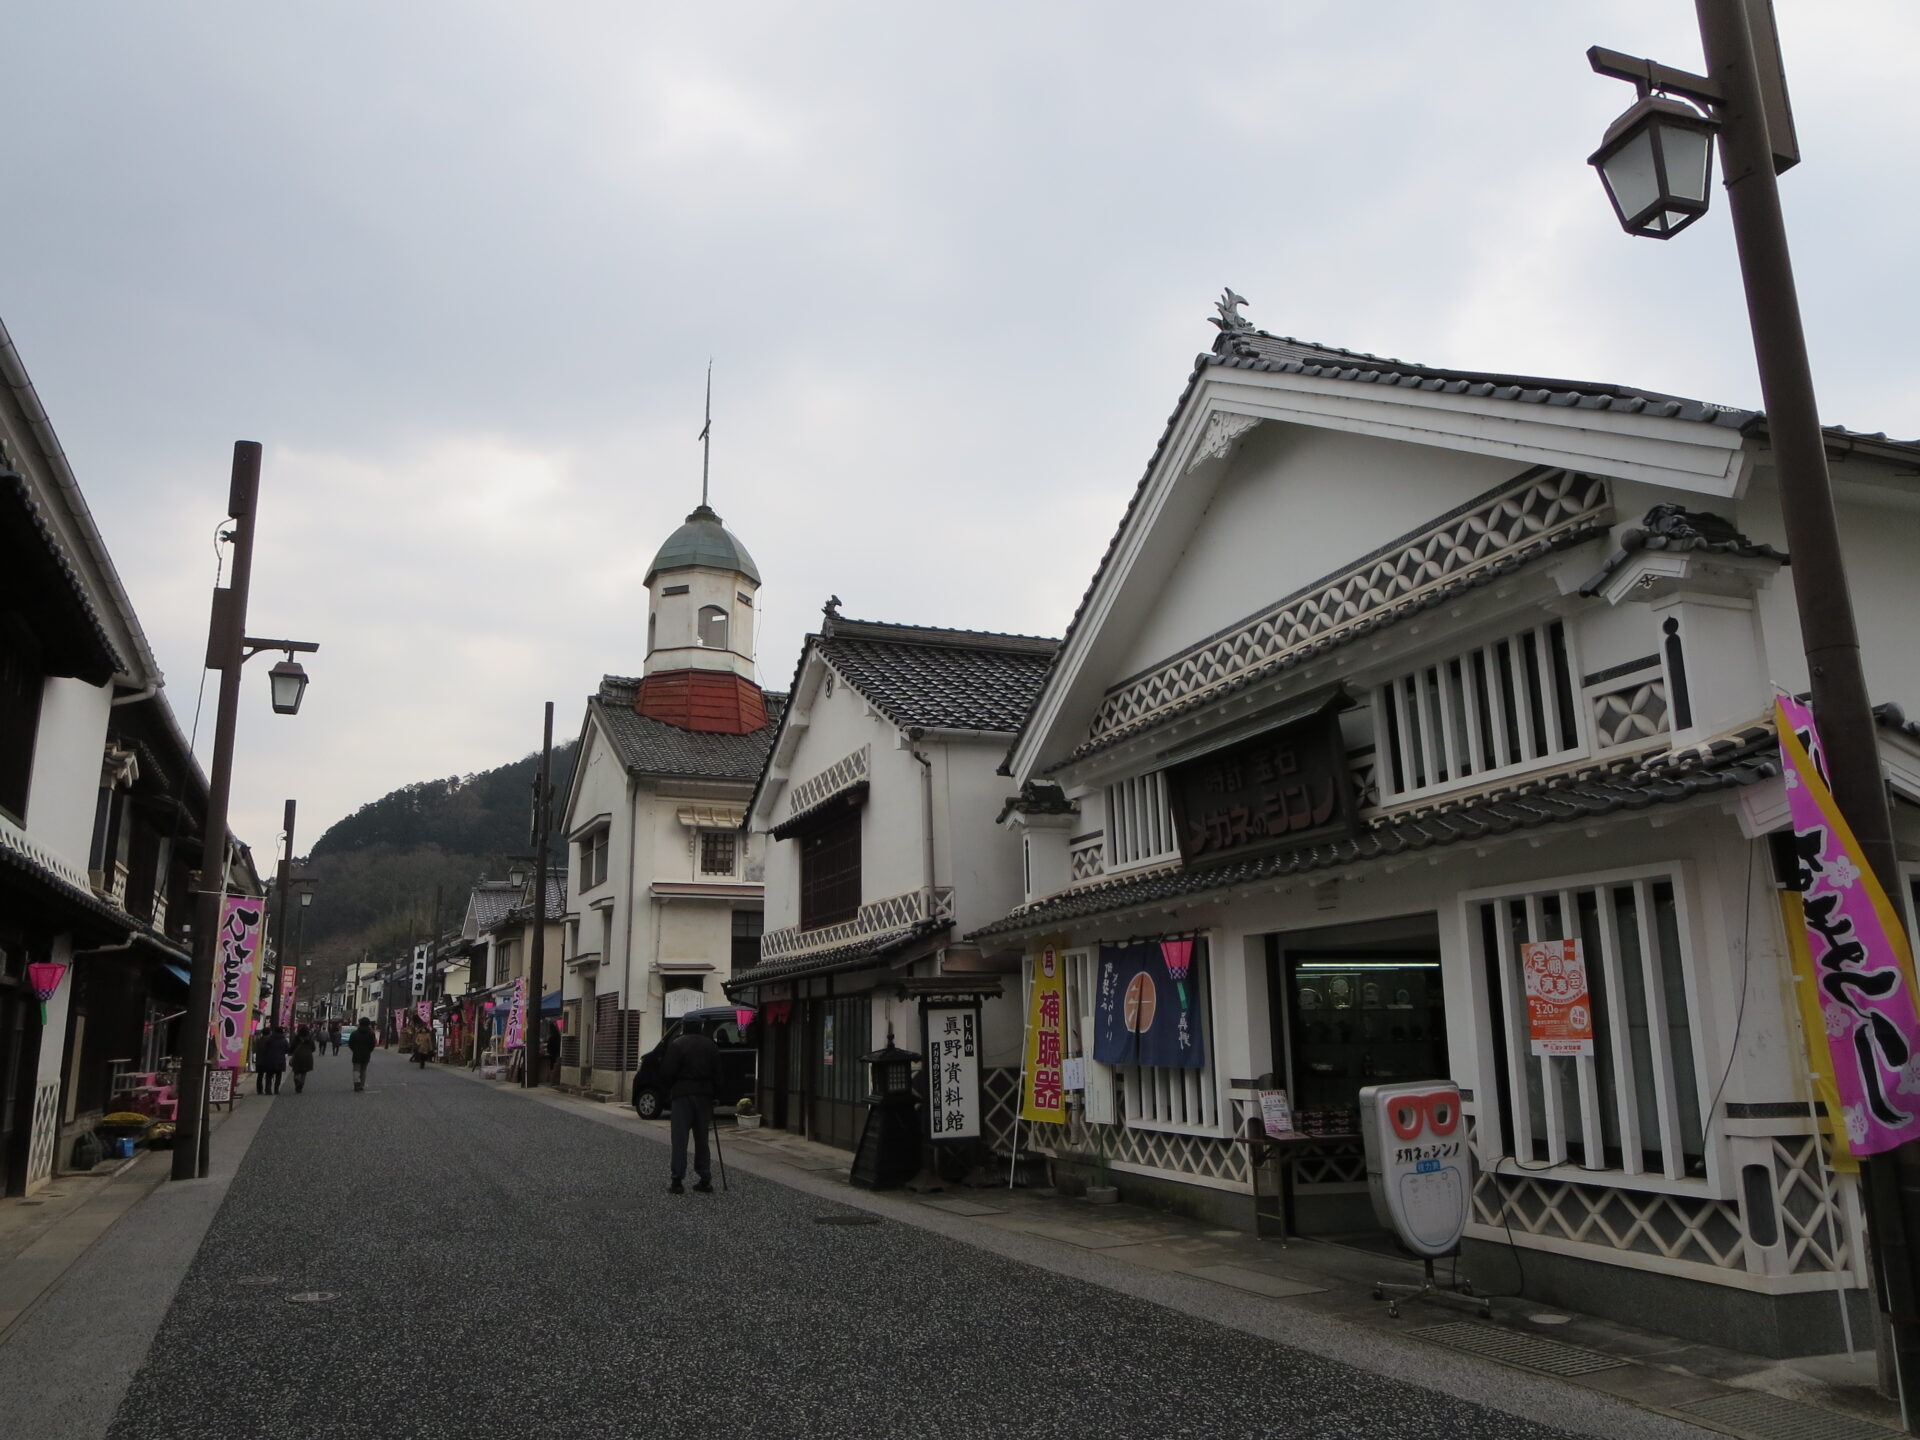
1350,1006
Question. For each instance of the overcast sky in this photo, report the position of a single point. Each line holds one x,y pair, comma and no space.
460,266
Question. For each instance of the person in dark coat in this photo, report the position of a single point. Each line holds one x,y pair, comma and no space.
300,1058
333,1035
273,1059
690,1071
360,1046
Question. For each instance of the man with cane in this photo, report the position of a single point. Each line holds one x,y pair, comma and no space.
690,1072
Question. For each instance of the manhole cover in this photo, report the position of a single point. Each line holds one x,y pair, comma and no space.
1511,1347
1769,1417
313,1295
258,1280
846,1219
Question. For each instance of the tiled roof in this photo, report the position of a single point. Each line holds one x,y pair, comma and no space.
1258,350
1677,530
39,875
653,747
935,679
853,956
50,587
1743,759
556,899
491,900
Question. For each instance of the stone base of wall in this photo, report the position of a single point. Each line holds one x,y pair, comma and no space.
1221,1208
1777,1326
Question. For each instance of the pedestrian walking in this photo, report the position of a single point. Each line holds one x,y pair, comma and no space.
300,1058
690,1069
422,1045
333,1035
273,1059
360,1046
552,1047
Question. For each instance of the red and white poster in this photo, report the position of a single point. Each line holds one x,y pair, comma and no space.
289,978
1559,1009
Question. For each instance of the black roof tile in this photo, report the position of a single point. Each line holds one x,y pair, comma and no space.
653,747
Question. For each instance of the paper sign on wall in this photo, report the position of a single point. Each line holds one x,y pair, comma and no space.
1559,1009
1276,1115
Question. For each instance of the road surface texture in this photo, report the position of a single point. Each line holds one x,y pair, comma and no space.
441,1257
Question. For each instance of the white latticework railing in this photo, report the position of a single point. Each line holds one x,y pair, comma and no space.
1530,516
880,918
1167,1152
843,774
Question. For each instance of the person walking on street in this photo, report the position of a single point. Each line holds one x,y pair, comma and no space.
422,1045
333,1035
273,1059
360,1046
301,1057
690,1071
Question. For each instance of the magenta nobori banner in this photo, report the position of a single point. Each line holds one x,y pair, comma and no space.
1862,963
425,1011
517,1014
289,978
236,954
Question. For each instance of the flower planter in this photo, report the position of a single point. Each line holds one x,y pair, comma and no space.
747,1122
1103,1195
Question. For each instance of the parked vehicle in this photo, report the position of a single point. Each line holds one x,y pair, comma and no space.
739,1060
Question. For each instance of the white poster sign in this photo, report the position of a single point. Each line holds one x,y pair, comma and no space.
953,1072
1417,1162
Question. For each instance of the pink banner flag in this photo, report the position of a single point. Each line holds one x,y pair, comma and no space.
425,1011
289,978
1861,958
236,954
517,1014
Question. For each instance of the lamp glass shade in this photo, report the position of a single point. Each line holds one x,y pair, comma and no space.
289,682
306,898
1656,164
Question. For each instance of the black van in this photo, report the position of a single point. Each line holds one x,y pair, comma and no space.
739,1060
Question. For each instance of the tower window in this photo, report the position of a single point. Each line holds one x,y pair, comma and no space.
713,627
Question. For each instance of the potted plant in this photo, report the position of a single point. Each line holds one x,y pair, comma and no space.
746,1114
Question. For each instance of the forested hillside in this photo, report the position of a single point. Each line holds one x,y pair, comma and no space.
377,872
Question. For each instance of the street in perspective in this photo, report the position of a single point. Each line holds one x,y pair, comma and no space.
1299,893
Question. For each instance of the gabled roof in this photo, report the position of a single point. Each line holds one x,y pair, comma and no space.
933,679
556,899
653,747
490,902
1246,348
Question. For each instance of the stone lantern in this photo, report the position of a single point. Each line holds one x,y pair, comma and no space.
889,1153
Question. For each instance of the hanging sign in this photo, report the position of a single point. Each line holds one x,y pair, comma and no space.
1043,1093
1142,1014
1859,950
236,954
289,979
1417,1162
953,1071
1559,1009
517,1014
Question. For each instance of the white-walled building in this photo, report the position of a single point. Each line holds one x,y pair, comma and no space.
665,890
876,815
1389,669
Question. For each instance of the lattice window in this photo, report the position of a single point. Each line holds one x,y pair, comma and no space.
1163,1098
718,852
1634,1105
1139,822
1496,710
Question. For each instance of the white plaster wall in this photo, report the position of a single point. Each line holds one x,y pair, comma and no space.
1294,504
980,859
66,768
674,621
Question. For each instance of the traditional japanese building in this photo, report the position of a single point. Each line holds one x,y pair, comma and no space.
665,892
876,814
1391,671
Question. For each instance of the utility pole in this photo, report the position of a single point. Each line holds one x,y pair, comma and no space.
535,1035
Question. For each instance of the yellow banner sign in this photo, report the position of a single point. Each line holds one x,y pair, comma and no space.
1042,1092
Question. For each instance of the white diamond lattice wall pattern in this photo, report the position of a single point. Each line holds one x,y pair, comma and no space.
46,1131
843,774
1526,518
1088,862
880,917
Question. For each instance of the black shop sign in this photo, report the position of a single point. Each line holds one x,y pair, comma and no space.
1286,787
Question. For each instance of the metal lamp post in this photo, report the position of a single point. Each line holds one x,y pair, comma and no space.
1654,165
229,647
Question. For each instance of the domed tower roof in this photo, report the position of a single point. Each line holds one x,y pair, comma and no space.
703,540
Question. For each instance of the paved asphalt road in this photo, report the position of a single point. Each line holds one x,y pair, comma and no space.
500,1268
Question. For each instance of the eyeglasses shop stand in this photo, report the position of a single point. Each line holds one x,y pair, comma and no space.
1434,1293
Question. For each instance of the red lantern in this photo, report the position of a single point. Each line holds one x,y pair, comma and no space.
743,1017
45,977
1179,957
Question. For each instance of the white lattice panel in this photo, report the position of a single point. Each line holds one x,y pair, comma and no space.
843,774
1635,712
880,918
1087,862
1527,516
46,1131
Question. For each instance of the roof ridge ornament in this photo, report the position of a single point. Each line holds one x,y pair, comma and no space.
1230,321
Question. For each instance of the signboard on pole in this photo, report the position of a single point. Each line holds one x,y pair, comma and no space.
1043,1093
1859,948
1417,1162
953,1071
517,1014
289,979
236,953
1559,1009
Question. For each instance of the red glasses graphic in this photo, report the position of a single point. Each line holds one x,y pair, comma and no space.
1439,1109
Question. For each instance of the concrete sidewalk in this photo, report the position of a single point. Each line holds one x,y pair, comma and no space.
1821,1398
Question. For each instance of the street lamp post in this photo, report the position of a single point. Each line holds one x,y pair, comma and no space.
283,884
535,1034
229,647
1742,100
